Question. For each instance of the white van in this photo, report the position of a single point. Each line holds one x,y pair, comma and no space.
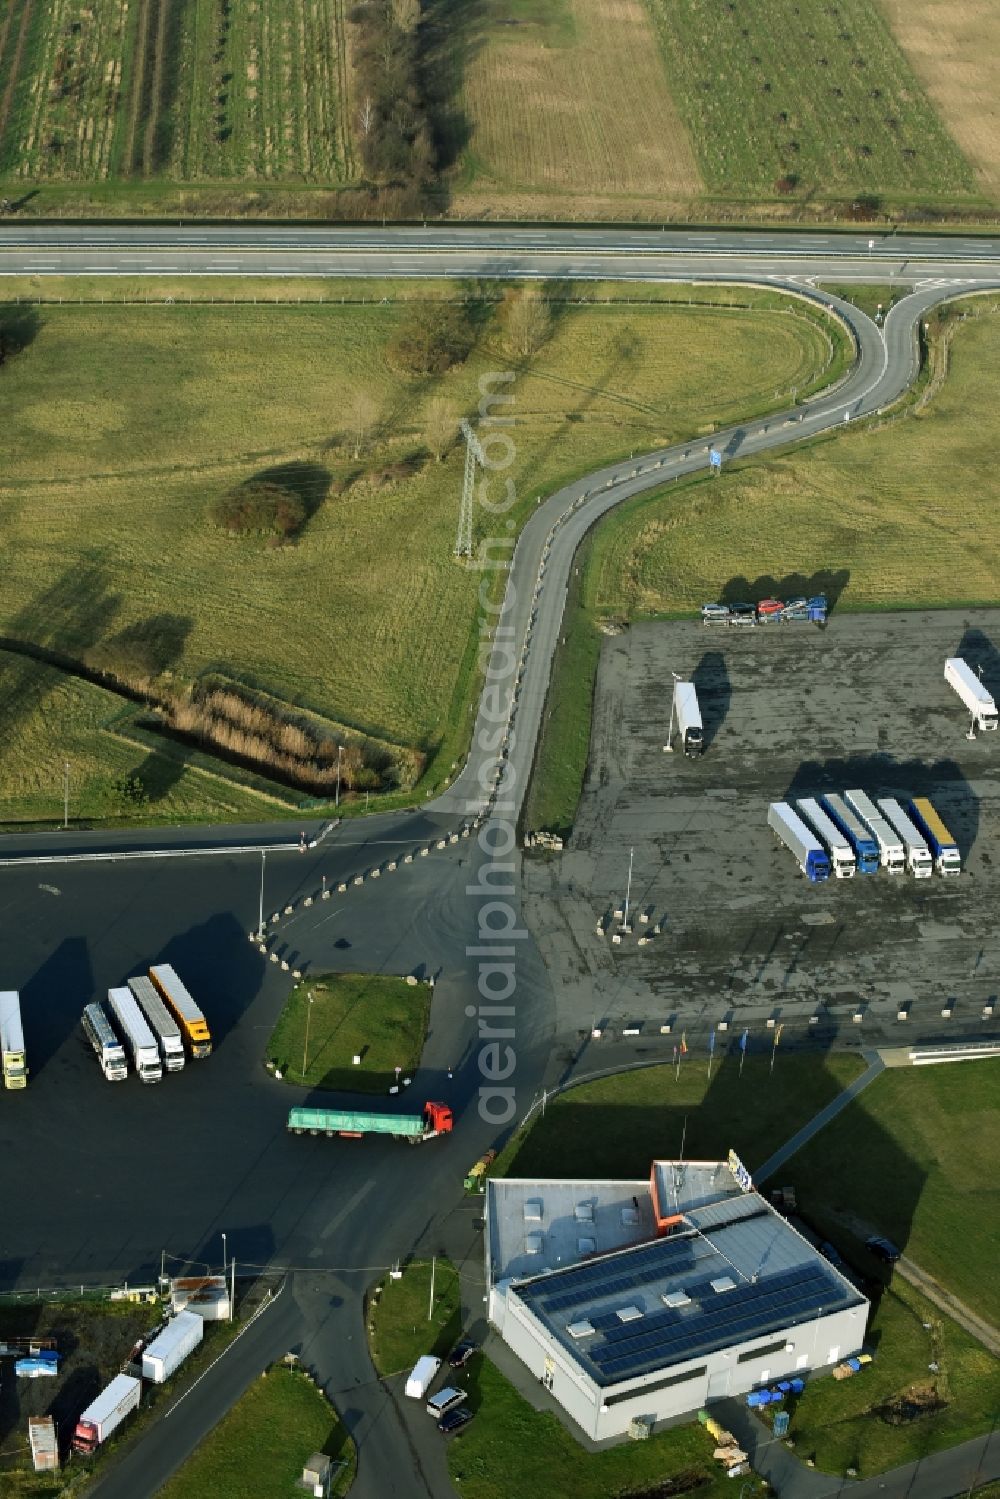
445,1400
420,1376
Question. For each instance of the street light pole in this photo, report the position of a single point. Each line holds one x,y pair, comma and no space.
260,909
305,1049
65,794
340,751
628,889
224,1261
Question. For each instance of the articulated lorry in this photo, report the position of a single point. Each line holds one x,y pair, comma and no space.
194,1026
15,1070
864,844
108,1050
959,675
892,854
106,1413
161,1022
436,1119
944,849
811,856
689,725
138,1037
840,851
918,855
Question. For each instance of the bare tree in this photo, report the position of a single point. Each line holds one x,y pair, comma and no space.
363,414
366,117
441,426
526,321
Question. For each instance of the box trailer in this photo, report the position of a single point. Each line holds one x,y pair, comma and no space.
108,1411
436,1119
138,1037
862,841
892,853
194,1026
107,1048
688,714
840,851
918,855
170,1348
15,1069
967,683
161,1022
944,849
811,856
420,1377
43,1444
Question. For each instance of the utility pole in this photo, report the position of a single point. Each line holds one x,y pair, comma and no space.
430,1306
232,1292
65,794
305,1049
224,1261
260,910
340,751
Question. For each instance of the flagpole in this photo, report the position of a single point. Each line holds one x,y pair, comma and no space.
711,1051
743,1051
677,1060
774,1048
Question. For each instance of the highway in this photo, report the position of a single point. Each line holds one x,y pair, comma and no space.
207,1151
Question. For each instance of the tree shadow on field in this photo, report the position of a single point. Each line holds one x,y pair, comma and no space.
452,33
160,772
979,652
19,327
740,590
309,482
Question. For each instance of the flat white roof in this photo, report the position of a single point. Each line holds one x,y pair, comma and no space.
535,1226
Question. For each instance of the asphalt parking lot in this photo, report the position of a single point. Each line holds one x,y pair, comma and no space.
789,710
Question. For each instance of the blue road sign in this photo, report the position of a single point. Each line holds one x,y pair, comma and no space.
714,458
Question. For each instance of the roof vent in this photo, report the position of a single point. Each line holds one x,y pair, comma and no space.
581,1329
628,1313
533,1243
584,1212
533,1210
724,1283
586,1246
675,1298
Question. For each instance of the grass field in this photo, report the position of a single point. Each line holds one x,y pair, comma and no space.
563,104
927,1137
261,1445
513,1452
616,1126
954,49
903,508
99,89
381,1019
803,99
125,422
399,1329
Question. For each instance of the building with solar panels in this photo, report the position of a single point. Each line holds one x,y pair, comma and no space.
650,1299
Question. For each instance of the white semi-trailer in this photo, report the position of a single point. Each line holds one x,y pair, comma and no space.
107,1048
688,714
137,1035
959,675
918,855
892,853
106,1413
170,1348
162,1023
841,853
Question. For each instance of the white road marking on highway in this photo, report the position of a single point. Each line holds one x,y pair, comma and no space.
50,889
349,1206
104,270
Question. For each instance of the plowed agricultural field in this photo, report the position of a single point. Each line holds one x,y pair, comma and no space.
183,89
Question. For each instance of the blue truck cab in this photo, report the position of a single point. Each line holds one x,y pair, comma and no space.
866,849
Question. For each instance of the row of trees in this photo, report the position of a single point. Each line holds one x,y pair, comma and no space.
393,127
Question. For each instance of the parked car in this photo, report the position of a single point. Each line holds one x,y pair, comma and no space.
794,614
832,1253
461,1353
446,1399
769,608
793,604
742,614
453,1421
715,614
883,1249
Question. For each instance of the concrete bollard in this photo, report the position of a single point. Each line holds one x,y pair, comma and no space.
616,938
902,1013
289,909
359,879
723,1025
946,1012
858,1016
987,1012
665,1030
376,872
296,973
440,843
284,965
424,852
814,1020
262,947
342,886
643,942
275,958
391,867
466,831
770,1022
327,894
308,901
411,979
453,838
251,936
407,858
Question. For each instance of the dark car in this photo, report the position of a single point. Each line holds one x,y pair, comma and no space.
453,1421
883,1249
742,614
830,1252
461,1353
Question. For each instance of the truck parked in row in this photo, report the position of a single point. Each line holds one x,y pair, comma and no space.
193,1025
944,849
840,851
688,715
15,1069
436,1119
892,854
105,1414
138,1037
161,1022
108,1050
959,675
170,1348
918,858
863,842
810,854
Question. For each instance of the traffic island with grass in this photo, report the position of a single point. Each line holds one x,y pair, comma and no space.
262,1445
399,1328
330,1020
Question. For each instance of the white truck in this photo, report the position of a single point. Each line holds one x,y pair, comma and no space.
810,855
106,1413
12,1059
687,712
892,853
137,1035
918,855
108,1050
170,1348
420,1377
959,675
841,853
161,1022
